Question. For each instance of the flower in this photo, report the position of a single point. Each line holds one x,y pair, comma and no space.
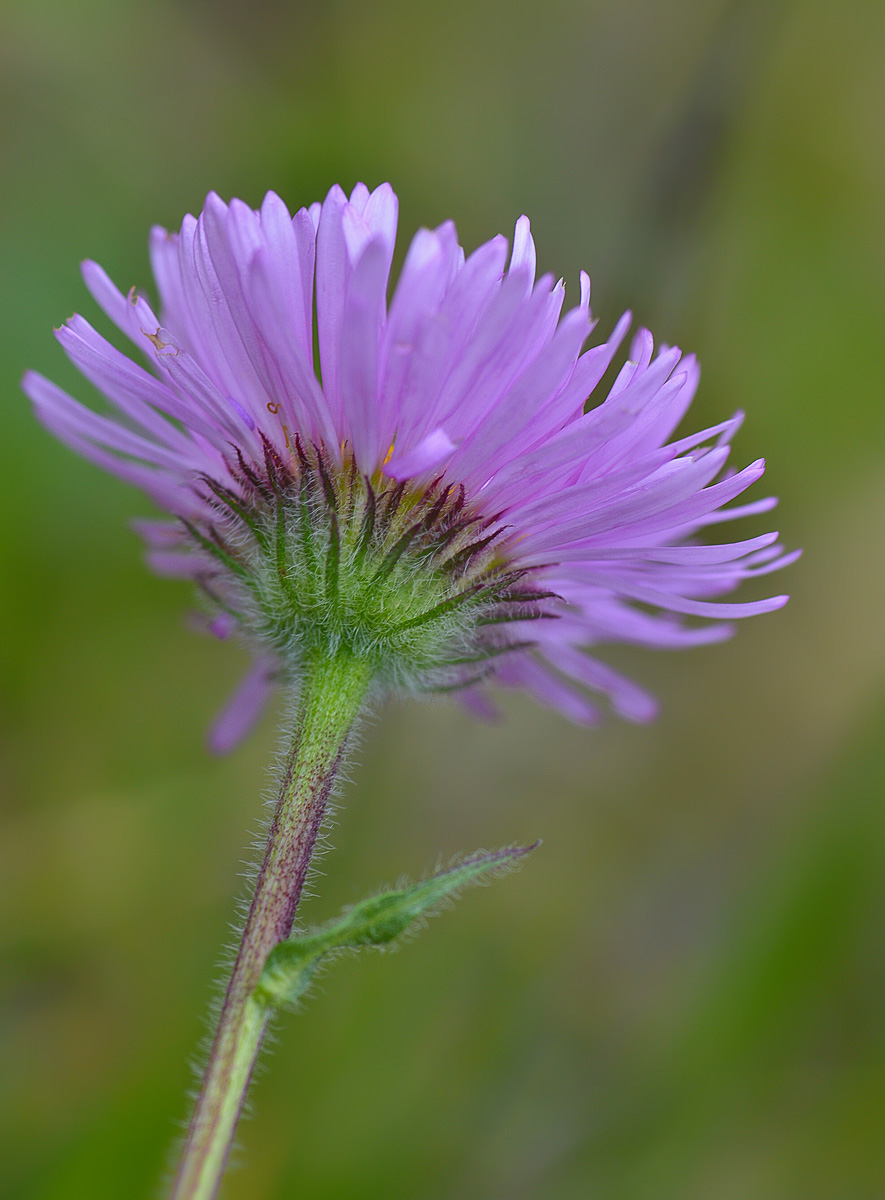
429,487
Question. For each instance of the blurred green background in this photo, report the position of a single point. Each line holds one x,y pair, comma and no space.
682,995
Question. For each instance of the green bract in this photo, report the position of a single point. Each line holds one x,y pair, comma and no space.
324,559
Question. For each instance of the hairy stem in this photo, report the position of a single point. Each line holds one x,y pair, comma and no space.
333,691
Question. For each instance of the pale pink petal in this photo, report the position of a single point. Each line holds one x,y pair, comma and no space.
245,707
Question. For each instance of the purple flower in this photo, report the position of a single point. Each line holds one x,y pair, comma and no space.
462,401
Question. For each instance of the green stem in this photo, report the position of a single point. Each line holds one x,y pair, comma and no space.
333,691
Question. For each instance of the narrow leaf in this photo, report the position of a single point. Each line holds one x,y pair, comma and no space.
376,922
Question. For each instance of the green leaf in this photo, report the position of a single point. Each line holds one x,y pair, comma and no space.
377,922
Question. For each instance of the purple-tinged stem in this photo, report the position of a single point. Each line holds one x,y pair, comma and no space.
333,691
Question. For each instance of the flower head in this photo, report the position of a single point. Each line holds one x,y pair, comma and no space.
426,487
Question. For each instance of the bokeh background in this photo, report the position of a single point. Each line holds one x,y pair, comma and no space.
682,995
